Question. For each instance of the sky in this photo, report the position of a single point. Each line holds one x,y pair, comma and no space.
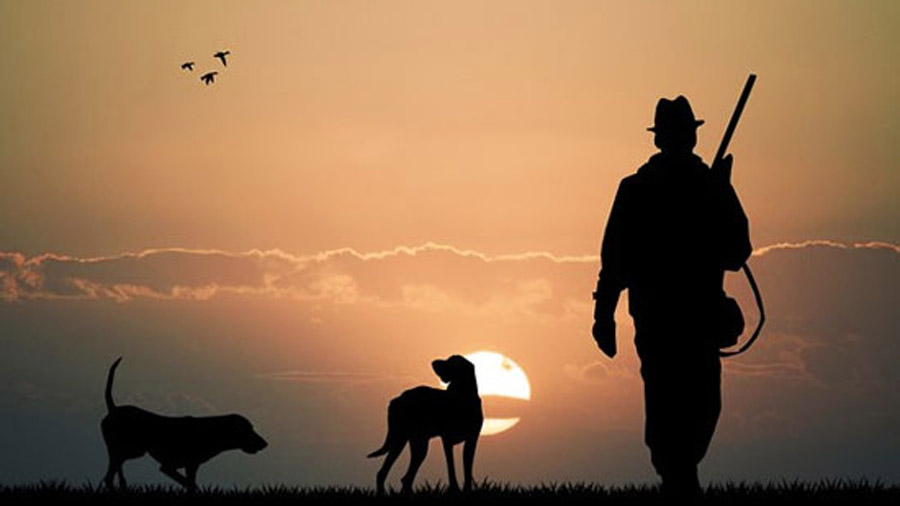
368,186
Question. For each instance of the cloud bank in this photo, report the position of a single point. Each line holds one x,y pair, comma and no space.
177,273
339,275
314,346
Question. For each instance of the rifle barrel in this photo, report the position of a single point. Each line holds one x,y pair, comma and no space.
735,117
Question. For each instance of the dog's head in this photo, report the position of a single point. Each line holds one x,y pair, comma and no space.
456,371
244,436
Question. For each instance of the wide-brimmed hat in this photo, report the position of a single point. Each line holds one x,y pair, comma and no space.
674,115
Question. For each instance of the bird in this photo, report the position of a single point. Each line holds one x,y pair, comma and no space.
188,65
209,77
221,55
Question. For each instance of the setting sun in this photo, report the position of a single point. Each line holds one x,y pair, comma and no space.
288,210
499,376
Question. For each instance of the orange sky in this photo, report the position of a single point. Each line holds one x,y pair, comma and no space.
501,127
201,232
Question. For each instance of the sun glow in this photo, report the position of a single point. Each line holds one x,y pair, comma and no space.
499,376
497,425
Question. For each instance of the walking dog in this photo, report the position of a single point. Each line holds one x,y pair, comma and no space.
175,442
422,413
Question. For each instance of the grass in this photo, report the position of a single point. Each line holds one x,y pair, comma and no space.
784,492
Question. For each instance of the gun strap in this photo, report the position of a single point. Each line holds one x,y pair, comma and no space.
762,315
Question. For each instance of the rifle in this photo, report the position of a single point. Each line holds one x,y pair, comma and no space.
720,154
735,117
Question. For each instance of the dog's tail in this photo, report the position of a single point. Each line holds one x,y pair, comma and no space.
379,452
390,440
110,405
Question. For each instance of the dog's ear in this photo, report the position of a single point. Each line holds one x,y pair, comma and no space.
443,370
458,360
461,364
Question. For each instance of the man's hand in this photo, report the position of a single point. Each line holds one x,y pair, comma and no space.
604,332
723,167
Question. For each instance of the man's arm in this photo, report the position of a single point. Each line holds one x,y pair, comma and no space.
613,273
734,229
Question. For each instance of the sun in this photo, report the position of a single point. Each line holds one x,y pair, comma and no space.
497,375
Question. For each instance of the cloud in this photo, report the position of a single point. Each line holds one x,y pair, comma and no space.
160,273
342,332
826,299
418,274
789,370
831,313
826,243
825,365
169,402
598,372
334,377
430,277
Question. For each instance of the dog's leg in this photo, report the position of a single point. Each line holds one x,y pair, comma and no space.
173,473
468,460
122,482
115,466
191,476
418,448
392,455
452,485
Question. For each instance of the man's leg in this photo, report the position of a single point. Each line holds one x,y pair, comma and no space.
708,405
682,404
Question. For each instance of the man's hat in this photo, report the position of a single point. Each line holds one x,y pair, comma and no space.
674,115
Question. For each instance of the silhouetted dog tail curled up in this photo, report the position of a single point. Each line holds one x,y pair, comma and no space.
176,442
110,405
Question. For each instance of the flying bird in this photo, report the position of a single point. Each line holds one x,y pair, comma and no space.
209,77
188,65
221,55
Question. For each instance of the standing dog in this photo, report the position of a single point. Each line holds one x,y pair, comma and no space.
175,442
422,413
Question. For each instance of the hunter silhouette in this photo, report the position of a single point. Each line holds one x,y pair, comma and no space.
674,228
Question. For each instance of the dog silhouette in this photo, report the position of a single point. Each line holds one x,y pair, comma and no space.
175,442
422,413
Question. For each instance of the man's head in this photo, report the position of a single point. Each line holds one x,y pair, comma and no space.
675,126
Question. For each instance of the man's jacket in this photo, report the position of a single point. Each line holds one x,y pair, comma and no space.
674,228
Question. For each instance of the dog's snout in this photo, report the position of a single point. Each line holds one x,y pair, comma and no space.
256,443
441,368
